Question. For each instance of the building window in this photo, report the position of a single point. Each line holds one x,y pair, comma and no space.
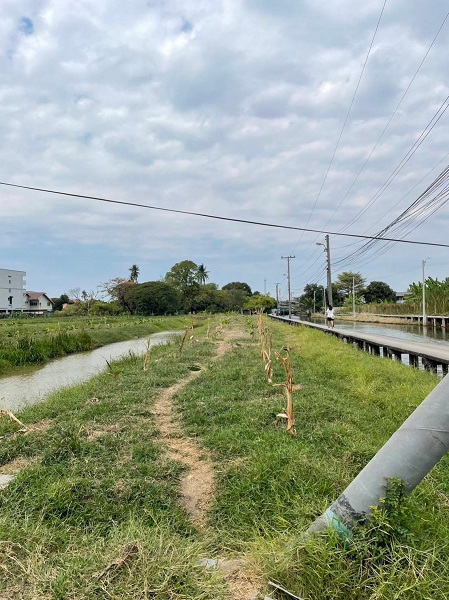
10,300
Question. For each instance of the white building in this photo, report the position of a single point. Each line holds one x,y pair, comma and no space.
37,303
12,288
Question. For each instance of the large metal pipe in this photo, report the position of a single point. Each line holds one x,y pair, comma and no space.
410,453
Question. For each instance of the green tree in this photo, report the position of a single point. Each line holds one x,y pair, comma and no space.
183,276
238,285
312,297
209,298
234,297
134,273
437,296
58,303
378,291
257,301
202,274
343,285
102,309
117,289
153,298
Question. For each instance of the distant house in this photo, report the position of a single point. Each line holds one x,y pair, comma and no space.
401,296
12,284
37,303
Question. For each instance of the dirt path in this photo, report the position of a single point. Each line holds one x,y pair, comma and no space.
197,485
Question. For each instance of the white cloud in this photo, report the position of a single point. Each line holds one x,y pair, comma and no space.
227,108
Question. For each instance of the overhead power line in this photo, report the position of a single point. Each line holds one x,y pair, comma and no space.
347,117
423,135
380,138
428,202
217,217
390,119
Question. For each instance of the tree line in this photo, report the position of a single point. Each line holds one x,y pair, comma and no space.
347,284
379,292
184,289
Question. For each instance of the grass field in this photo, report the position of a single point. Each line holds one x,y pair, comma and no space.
29,341
101,508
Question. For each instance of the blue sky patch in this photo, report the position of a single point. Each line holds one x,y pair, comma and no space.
186,27
26,26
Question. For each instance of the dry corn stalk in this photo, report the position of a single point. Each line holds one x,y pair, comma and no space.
260,322
181,345
147,356
126,553
4,412
288,387
267,355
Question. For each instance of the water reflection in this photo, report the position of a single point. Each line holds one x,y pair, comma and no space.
31,387
406,332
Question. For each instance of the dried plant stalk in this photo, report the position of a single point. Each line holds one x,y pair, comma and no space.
181,345
126,553
288,387
208,328
4,412
268,342
147,356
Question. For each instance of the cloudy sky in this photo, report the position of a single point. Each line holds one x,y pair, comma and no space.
247,109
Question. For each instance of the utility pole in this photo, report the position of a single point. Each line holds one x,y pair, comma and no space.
424,318
289,289
314,301
353,298
327,249
277,297
264,287
329,277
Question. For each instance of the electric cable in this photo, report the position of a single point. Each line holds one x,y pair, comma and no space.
345,121
210,216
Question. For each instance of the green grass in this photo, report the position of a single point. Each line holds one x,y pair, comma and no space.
98,485
25,342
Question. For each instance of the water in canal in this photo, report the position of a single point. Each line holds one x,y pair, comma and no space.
29,388
414,333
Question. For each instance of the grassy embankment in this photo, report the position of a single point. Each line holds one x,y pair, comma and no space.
33,341
95,513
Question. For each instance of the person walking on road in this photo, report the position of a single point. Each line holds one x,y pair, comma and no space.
330,317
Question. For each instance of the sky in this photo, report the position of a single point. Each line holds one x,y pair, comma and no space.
290,112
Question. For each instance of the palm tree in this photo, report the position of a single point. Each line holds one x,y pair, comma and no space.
134,273
202,275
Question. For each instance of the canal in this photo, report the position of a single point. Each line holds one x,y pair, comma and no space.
406,332
31,387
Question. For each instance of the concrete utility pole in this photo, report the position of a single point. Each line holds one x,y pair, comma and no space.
410,453
424,317
329,277
353,298
314,301
264,287
327,249
277,298
289,289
